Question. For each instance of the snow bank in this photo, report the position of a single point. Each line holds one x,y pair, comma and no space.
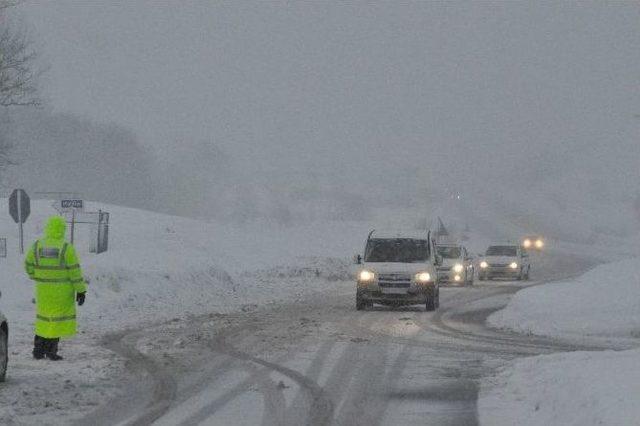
603,302
159,266
580,388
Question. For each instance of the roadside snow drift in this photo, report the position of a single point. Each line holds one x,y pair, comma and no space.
580,388
604,302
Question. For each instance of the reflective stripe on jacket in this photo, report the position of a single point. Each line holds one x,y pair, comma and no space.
53,265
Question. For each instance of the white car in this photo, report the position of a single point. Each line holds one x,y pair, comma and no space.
4,347
504,261
398,268
457,266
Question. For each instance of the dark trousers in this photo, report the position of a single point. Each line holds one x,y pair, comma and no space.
43,346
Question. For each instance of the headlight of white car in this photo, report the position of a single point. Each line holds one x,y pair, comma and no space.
457,267
484,264
423,277
539,244
366,276
526,243
513,265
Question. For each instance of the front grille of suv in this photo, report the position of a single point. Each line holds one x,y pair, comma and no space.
394,280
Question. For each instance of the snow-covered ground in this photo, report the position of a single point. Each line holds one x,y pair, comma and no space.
579,388
158,268
162,268
604,303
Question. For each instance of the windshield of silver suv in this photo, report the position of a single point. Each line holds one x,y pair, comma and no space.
502,251
449,252
401,250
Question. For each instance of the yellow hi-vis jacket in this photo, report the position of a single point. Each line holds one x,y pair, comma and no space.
53,264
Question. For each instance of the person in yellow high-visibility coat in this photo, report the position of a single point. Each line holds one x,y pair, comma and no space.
53,264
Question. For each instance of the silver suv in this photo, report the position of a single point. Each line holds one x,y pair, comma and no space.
397,269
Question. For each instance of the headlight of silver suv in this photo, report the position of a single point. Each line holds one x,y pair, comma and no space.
423,277
366,276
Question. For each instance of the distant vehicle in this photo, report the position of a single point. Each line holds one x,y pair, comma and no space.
398,269
505,261
4,347
533,242
457,265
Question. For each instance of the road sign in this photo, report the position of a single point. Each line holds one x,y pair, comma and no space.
19,209
72,204
19,205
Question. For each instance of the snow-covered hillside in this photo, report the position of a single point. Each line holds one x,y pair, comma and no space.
162,266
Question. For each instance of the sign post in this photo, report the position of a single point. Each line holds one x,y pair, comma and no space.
19,209
73,205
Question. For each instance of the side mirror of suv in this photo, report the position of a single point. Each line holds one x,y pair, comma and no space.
357,259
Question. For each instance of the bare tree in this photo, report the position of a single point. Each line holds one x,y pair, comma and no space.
17,77
17,70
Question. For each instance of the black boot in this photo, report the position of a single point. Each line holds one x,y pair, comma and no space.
38,347
52,350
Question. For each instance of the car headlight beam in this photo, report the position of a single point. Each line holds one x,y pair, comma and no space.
366,276
484,265
539,244
423,277
513,265
527,243
457,268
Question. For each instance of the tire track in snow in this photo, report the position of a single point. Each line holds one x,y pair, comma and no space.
449,323
320,406
156,402
299,403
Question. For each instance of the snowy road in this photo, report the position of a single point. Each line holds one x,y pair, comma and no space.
323,362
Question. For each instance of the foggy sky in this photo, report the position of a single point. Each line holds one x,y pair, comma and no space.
458,94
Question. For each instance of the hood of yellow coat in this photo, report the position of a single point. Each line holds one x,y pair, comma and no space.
55,228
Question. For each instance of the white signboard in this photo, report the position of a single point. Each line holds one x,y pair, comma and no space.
71,204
